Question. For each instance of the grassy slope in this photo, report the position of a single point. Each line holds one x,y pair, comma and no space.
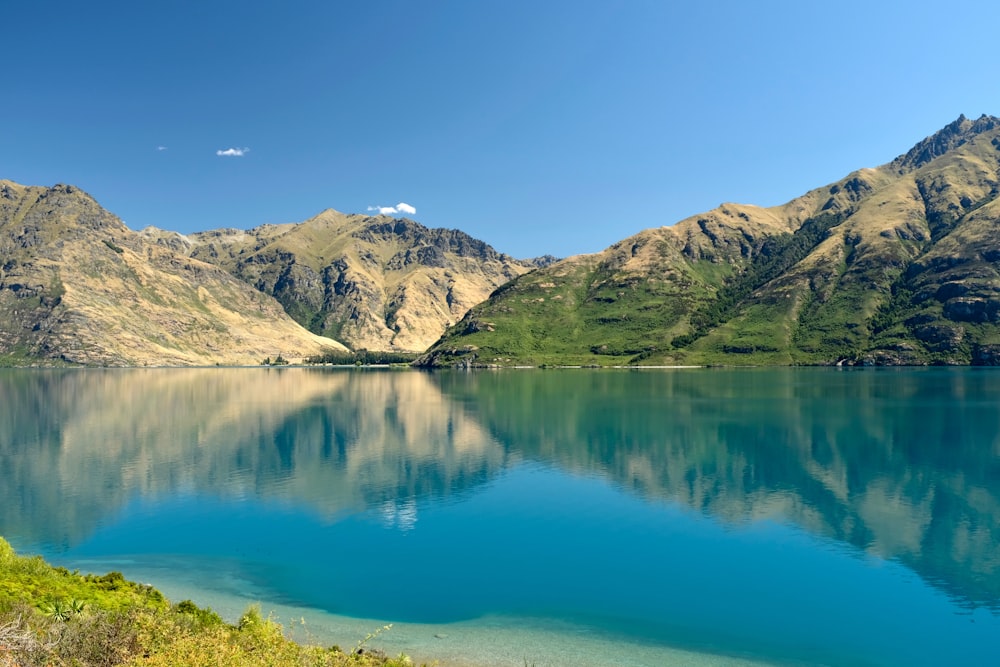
585,312
50,616
623,305
888,265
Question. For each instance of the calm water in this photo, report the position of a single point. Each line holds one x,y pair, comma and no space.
589,517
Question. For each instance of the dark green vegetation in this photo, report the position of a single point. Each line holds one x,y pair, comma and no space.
890,266
776,256
277,361
50,616
362,358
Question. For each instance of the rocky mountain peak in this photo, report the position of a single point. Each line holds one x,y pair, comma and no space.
386,229
952,136
33,217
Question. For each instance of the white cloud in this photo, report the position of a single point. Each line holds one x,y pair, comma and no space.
161,148
401,207
233,152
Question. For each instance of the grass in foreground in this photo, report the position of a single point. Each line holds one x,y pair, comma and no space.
53,617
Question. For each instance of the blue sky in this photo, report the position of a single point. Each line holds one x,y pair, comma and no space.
538,127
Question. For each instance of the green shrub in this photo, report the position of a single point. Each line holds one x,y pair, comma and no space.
52,617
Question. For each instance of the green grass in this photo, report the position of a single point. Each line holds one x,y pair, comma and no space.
32,579
56,618
19,358
602,316
592,316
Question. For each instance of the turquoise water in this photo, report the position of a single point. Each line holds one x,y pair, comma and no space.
783,516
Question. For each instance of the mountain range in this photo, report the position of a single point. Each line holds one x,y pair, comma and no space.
77,286
894,265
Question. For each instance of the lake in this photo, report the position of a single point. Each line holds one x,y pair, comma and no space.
546,517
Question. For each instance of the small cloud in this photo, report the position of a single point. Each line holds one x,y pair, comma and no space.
161,148
401,207
232,152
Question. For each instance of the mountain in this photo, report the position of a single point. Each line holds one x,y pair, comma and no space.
894,265
373,282
77,286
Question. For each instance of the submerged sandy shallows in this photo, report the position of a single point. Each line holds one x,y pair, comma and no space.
490,641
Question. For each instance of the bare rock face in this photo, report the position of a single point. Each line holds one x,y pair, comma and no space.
986,355
940,337
375,283
952,136
77,286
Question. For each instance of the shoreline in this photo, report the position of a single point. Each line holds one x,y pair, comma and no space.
490,641
487,641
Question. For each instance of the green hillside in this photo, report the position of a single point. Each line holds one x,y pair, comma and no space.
894,265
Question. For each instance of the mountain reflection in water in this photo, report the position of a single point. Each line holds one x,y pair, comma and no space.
904,465
78,445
